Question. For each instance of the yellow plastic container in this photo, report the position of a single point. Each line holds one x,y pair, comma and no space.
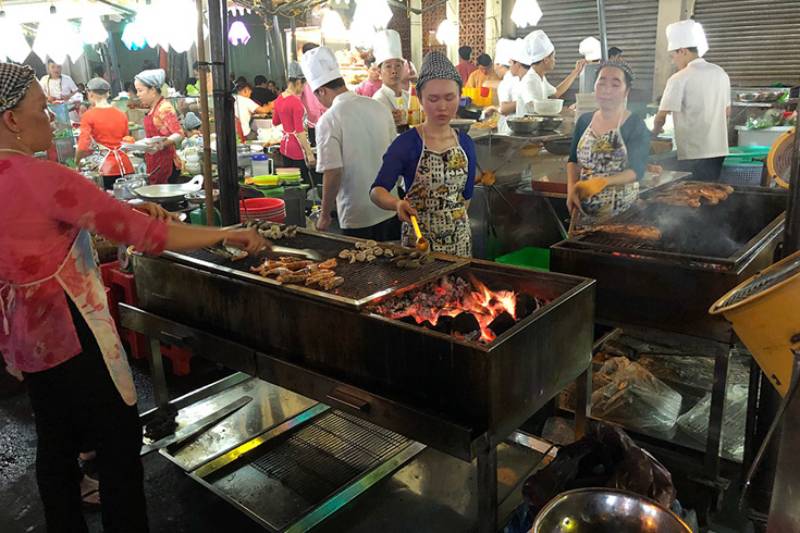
765,313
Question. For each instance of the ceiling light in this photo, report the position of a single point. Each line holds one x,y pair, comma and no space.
238,33
447,32
376,13
57,39
526,13
332,26
13,46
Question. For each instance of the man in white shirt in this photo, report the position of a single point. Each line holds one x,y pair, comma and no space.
352,137
699,98
532,58
388,52
245,107
505,89
58,87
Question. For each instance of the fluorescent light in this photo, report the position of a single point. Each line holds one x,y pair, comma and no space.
238,33
526,13
13,45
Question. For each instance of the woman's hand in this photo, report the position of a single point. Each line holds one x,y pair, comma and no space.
579,64
573,203
157,212
591,187
405,211
247,239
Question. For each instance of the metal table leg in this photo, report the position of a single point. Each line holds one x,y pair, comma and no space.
583,393
715,415
163,422
487,490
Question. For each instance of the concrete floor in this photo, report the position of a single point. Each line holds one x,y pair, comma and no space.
176,504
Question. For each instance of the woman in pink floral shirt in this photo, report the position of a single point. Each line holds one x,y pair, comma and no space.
55,328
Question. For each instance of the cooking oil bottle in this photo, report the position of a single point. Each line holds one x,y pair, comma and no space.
414,109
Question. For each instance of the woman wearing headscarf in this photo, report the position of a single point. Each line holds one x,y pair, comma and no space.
56,332
163,164
437,165
610,148
289,112
106,126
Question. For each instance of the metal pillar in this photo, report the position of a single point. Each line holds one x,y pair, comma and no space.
791,238
601,22
223,113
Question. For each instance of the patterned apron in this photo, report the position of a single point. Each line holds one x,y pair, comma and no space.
160,164
80,278
605,155
438,196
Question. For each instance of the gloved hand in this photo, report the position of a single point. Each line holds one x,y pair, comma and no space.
591,187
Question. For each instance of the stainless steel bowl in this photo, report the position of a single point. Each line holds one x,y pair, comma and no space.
462,124
524,125
601,510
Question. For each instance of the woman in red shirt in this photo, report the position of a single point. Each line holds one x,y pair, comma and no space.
106,126
289,112
56,332
163,163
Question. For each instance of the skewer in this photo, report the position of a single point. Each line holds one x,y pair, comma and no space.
573,222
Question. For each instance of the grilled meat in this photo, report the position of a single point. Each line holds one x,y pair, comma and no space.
693,194
628,231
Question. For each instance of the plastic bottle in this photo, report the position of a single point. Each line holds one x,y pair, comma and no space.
414,109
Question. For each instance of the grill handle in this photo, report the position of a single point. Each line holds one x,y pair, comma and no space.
341,396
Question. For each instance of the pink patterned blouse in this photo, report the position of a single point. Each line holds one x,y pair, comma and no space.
43,207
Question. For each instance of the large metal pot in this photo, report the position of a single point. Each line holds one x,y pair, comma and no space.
169,193
603,509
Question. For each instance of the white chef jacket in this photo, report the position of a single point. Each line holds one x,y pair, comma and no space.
698,97
505,93
386,96
57,88
531,87
244,109
353,135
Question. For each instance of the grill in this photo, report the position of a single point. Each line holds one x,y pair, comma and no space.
363,281
451,393
669,284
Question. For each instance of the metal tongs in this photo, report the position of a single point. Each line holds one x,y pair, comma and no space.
422,242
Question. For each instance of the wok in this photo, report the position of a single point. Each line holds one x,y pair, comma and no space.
169,193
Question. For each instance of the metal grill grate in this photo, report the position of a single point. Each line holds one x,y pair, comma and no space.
362,280
327,454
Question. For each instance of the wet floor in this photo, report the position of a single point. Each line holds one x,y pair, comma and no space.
175,502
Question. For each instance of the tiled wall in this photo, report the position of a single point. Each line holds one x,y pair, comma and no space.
431,19
402,25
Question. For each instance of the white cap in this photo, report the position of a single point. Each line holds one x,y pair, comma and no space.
519,52
687,34
387,46
591,49
320,67
503,50
537,46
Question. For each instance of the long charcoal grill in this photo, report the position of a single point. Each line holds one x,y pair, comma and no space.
465,389
669,284
458,396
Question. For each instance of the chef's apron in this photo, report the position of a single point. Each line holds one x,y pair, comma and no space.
160,164
80,278
124,165
605,155
438,196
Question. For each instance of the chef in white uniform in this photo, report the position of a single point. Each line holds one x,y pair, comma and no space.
538,51
505,89
352,136
60,88
699,98
388,52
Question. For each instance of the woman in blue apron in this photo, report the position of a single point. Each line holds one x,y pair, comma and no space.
56,331
609,150
436,163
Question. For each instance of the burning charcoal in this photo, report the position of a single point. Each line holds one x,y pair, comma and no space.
408,320
444,325
466,323
526,304
502,323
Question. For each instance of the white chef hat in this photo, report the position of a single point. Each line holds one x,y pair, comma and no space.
687,34
387,46
519,52
591,49
320,67
503,50
539,45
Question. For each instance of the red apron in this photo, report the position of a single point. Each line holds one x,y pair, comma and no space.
160,164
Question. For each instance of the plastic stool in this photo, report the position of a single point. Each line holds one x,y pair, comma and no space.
179,357
123,287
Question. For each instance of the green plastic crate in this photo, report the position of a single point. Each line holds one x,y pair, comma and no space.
528,257
746,154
